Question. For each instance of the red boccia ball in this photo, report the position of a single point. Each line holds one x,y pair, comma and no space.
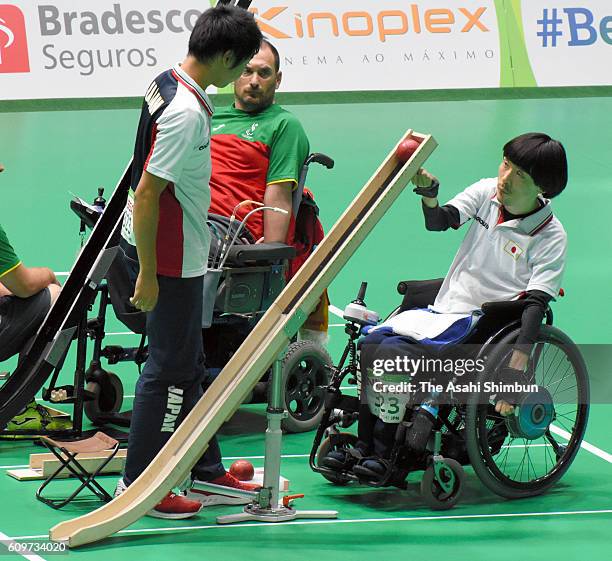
406,149
242,470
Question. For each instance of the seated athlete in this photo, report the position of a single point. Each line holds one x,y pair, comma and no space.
258,149
26,296
515,248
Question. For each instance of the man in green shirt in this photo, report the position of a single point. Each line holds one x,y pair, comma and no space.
257,151
26,294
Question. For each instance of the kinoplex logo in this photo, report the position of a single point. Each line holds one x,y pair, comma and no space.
383,24
13,41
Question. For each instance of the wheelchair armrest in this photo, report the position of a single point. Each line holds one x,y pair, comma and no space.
506,310
419,293
240,255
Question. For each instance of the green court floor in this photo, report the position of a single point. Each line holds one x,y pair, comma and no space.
49,155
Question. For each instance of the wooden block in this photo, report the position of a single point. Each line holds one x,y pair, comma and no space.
258,478
41,466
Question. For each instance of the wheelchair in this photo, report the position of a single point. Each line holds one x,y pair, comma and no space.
521,455
251,278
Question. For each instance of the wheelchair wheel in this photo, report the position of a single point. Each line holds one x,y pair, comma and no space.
344,439
108,397
443,492
521,455
305,378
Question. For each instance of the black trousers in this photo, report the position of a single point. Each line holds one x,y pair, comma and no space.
172,378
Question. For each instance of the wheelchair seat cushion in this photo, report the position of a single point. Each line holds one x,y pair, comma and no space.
429,328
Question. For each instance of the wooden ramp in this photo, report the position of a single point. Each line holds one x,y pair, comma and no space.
271,335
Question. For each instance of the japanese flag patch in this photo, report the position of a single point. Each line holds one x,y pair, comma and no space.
513,249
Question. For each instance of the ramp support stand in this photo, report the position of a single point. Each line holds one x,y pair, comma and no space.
267,507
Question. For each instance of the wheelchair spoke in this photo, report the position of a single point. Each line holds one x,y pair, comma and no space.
544,357
521,465
530,464
508,448
560,381
554,373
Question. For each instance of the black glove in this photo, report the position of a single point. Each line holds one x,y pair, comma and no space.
430,192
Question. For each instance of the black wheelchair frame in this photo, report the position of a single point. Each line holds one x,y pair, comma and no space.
252,279
470,433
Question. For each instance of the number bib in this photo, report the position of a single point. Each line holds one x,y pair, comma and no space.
127,226
387,396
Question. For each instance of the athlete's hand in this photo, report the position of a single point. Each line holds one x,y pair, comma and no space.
1,168
426,184
146,292
504,408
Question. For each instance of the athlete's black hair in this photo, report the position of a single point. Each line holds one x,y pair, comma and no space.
543,158
225,28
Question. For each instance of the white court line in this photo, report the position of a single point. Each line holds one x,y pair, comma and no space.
342,388
31,556
349,521
336,311
586,445
284,457
289,456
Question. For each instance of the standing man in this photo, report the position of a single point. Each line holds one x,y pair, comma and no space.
165,230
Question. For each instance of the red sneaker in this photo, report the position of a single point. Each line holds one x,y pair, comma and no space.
175,507
172,506
207,498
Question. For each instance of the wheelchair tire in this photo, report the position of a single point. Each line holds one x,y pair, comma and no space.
492,464
108,392
432,492
305,379
344,438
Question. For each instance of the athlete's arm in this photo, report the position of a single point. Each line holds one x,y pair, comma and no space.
146,217
537,302
276,224
24,282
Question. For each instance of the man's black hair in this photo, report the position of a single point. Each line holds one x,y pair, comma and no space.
543,158
225,28
274,50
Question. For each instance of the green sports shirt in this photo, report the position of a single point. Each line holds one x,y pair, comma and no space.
251,151
8,257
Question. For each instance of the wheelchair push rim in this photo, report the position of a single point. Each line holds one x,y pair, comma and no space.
526,464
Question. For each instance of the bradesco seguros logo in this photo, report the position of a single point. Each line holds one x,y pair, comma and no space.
278,23
13,42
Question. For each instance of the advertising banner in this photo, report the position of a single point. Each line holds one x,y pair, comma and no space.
111,48
568,42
